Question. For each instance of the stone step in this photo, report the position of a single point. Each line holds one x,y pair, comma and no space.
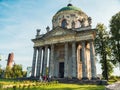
77,81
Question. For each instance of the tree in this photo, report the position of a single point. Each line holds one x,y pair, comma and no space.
14,72
103,50
115,37
24,73
17,71
1,72
8,72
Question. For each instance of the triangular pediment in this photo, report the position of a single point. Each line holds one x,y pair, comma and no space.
58,32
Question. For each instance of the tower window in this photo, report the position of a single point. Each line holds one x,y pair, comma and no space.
64,24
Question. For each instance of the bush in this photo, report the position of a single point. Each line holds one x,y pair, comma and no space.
113,78
1,85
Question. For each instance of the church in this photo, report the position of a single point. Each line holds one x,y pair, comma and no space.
67,50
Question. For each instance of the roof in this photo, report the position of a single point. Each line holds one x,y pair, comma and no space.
69,7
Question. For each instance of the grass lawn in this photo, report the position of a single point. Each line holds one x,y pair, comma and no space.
71,87
29,85
60,87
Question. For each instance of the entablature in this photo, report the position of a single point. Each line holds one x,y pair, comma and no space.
62,36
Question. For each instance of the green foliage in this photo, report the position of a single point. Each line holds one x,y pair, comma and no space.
8,72
103,50
1,72
14,72
17,71
24,73
113,78
115,37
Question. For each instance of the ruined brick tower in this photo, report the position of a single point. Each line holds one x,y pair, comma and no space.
10,59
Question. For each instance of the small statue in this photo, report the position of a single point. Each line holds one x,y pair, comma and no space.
73,24
38,32
89,21
82,22
48,28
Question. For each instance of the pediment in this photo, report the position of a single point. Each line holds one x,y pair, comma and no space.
59,32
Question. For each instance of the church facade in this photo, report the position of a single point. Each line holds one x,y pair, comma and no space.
66,51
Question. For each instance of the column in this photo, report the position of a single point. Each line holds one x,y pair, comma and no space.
51,66
74,61
34,62
45,61
84,66
49,63
66,61
43,52
92,59
39,62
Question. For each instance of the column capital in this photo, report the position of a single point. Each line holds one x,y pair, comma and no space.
34,47
90,40
40,47
83,43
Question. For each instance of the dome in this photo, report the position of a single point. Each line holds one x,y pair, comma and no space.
69,7
70,17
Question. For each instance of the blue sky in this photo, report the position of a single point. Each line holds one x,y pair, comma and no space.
19,20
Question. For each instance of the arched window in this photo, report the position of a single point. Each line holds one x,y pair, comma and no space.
78,24
64,24
81,55
73,24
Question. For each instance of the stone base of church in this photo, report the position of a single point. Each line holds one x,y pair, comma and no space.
83,81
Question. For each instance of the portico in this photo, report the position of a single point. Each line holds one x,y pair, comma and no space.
75,56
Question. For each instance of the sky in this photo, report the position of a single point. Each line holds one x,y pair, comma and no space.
19,20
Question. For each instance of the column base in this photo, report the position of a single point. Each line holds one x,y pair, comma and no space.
74,78
94,78
85,78
32,77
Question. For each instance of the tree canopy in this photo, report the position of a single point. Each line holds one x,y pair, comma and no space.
14,72
115,37
103,50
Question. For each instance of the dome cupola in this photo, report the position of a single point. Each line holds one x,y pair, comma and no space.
71,17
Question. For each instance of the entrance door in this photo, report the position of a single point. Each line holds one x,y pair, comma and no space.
61,69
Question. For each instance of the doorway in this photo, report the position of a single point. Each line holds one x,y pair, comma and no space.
61,69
